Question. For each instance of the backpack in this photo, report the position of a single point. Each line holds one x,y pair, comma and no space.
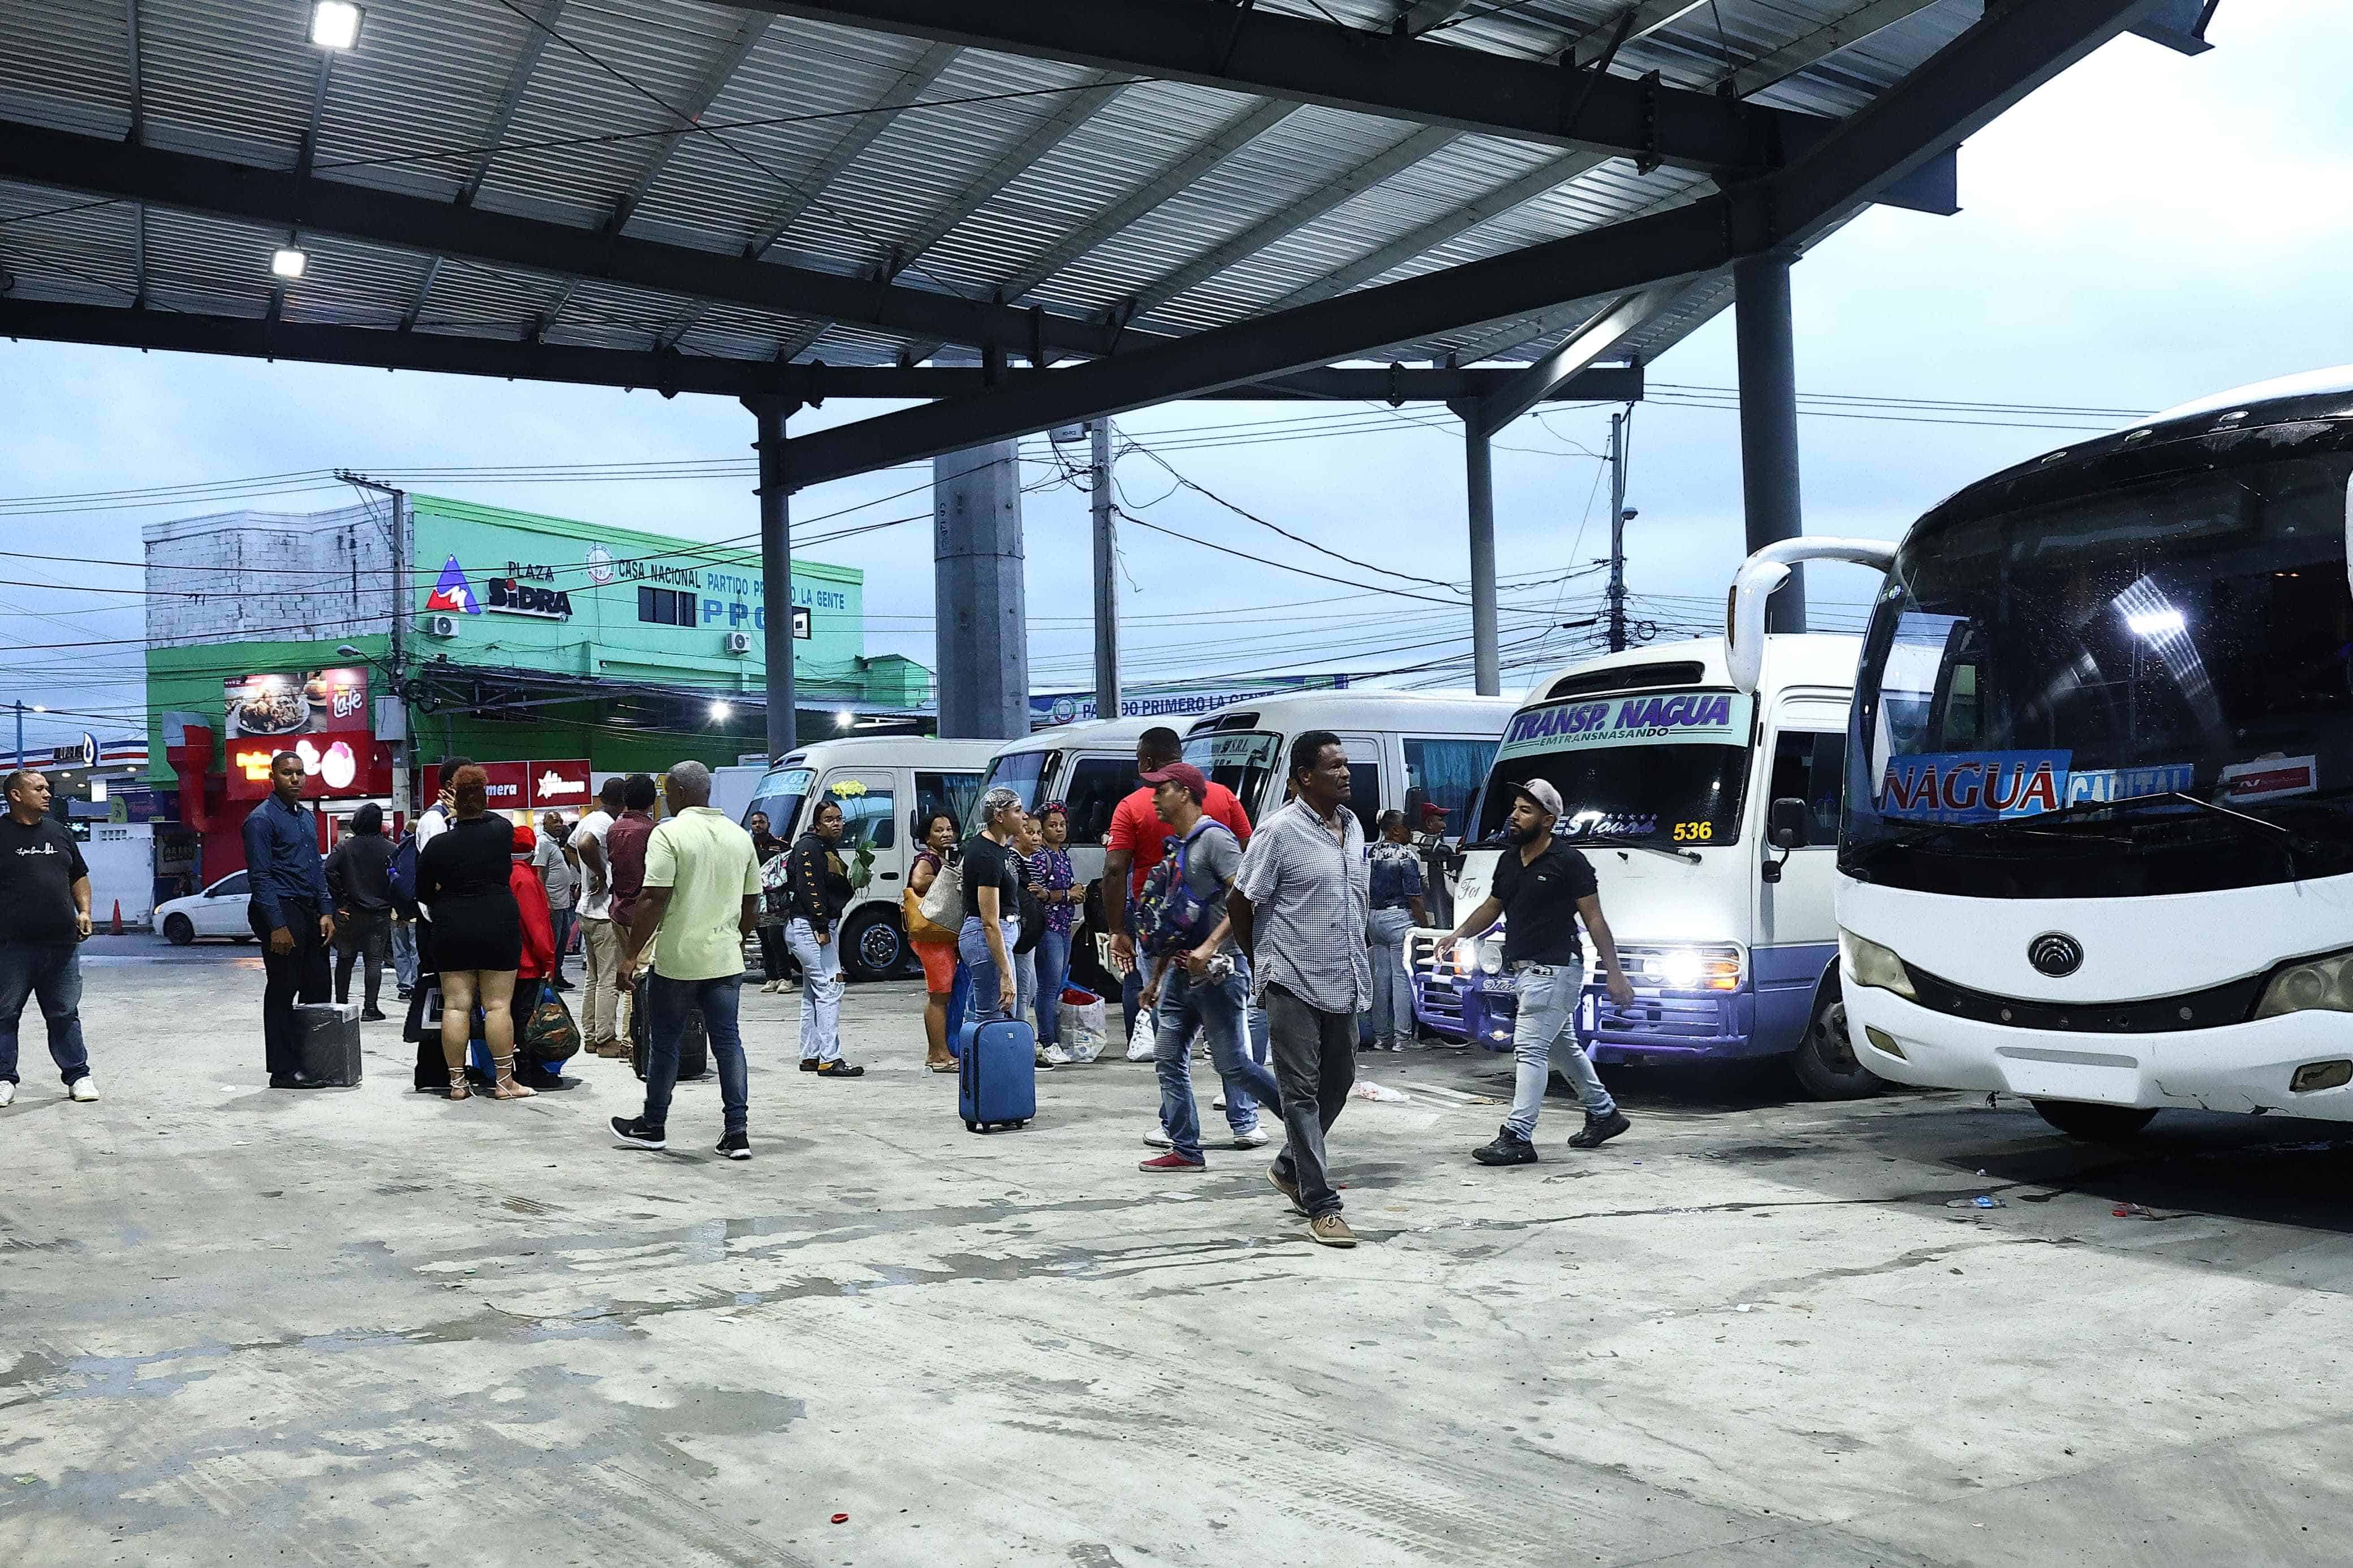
401,873
1169,916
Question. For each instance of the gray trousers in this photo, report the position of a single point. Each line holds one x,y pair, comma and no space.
1315,1066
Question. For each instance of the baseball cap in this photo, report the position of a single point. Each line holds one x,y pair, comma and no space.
1547,798
1195,782
1432,812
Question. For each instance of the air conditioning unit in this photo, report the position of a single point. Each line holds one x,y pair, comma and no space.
739,642
440,625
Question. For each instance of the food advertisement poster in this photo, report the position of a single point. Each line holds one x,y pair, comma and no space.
277,703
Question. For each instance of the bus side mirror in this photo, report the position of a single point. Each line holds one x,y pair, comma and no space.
1788,824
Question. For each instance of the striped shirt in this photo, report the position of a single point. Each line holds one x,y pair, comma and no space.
1309,893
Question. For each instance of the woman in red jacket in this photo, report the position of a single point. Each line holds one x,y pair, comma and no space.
538,948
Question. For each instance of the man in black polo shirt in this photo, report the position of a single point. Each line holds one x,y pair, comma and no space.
1541,889
43,916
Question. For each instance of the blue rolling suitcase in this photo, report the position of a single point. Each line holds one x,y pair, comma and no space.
996,1075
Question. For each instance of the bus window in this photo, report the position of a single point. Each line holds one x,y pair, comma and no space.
1097,786
1812,767
956,794
1446,774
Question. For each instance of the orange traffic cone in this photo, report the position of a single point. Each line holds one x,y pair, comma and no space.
117,918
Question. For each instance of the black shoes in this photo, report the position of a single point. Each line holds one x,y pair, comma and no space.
808,1064
838,1068
637,1133
735,1145
1599,1129
296,1081
373,1015
1508,1149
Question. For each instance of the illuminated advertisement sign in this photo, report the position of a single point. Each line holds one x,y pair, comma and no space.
275,704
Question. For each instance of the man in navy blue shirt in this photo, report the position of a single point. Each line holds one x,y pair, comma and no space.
290,913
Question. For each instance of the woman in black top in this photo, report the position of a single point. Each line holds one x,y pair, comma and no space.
462,876
767,846
992,902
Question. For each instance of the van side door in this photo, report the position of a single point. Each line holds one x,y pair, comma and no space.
870,830
1804,758
1372,785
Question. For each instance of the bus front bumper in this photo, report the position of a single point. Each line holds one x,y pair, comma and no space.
1657,1027
2237,1068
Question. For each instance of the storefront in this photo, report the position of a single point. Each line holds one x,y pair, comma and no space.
562,650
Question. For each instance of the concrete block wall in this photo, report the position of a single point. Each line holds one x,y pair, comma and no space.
269,576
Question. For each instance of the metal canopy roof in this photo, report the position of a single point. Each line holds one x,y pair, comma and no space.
603,185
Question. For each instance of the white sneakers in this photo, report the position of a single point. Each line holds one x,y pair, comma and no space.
1256,1138
1055,1057
1157,1139
772,987
85,1088
7,1093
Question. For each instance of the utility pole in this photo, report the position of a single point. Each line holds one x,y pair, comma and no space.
1106,577
401,597
768,413
20,732
1616,534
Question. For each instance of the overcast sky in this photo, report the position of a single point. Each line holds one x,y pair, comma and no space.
2146,229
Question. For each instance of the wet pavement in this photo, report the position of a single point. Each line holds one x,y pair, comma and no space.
371,1327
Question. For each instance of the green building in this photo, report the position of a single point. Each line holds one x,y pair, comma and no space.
523,637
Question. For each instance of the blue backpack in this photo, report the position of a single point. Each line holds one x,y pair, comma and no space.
402,873
1169,916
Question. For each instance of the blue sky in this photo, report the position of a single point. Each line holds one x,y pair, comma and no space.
2146,229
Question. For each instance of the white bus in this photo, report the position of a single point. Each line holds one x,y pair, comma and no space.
886,786
1709,815
1404,748
2099,841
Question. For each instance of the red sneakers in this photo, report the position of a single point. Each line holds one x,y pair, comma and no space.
1172,1161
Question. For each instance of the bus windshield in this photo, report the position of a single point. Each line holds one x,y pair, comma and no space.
2049,701
1663,768
1020,772
779,794
1244,760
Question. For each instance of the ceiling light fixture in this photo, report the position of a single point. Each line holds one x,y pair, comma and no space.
289,261
335,24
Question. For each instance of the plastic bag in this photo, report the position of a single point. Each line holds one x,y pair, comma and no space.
1080,1025
1147,1034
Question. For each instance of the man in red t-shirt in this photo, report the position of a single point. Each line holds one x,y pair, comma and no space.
1138,838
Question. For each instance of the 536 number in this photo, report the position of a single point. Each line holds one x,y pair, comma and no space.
1695,832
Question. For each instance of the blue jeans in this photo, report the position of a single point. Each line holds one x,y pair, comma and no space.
972,946
668,1002
1053,955
821,989
1216,1007
50,970
1392,985
1544,1034
959,1000
404,953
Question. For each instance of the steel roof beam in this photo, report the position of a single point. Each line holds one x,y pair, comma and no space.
1544,379
1072,112
134,135
913,83
1178,176
376,348
536,35
279,199
739,46
1821,43
1242,50
1959,90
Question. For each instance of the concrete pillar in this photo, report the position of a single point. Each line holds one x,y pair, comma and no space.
1106,566
777,573
1769,422
982,640
1479,476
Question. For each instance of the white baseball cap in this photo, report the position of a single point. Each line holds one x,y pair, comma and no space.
1547,798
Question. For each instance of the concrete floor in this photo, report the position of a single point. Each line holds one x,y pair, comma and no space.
367,1327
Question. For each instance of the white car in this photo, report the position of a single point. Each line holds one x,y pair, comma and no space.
218,910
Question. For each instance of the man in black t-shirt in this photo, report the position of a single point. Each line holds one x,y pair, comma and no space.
43,916
1542,888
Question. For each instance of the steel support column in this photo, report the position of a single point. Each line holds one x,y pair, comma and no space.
1768,421
777,573
1106,564
983,649
1479,476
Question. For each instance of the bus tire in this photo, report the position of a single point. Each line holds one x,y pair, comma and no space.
1824,1063
2093,1123
873,945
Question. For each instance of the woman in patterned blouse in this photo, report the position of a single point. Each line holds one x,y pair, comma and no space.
1050,875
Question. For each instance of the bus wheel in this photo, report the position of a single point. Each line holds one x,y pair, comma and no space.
873,946
1824,1063
2093,1123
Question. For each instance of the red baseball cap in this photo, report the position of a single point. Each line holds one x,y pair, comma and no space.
1195,782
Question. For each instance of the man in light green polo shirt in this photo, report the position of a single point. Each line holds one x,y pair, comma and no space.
702,896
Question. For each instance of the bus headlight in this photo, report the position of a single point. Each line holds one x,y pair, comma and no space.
1866,963
2310,985
1490,955
1715,967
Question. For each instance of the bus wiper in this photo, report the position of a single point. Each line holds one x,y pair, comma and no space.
1689,857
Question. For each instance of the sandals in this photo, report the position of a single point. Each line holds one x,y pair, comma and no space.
458,1088
947,1064
506,1088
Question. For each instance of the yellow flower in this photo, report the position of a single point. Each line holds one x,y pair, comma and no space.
849,789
